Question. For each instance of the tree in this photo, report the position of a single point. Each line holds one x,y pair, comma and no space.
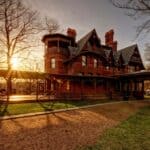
138,9
50,25
18,24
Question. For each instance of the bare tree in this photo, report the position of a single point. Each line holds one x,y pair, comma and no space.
138,9
50,25
18,25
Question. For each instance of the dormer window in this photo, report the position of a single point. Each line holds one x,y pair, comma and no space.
84,61
53,63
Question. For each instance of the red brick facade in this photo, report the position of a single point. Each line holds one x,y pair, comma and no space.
87,68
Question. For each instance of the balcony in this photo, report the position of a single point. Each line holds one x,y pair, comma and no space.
101,70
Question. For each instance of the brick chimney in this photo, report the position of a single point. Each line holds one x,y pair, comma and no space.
114,47
71,33
109,40
109,37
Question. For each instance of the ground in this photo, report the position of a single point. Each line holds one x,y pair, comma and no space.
65,130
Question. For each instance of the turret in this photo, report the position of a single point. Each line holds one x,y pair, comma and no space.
56,51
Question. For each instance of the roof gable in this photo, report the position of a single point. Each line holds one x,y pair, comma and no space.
136,58
86,41
127,53
84,46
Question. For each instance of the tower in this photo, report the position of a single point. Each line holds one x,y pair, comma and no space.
56,51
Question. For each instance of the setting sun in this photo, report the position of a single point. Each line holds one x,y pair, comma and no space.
15,63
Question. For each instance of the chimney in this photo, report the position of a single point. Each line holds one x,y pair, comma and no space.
114,47
71,33
109,40
109,37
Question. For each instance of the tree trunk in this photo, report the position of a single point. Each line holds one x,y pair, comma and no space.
9,88
9,80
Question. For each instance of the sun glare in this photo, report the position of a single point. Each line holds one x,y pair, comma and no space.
15,63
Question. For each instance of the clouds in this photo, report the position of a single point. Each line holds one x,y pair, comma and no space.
84,15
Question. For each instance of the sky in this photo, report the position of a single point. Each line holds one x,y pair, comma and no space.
84,15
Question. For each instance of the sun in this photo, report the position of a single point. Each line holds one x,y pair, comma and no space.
15,63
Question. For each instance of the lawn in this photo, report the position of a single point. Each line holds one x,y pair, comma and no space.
23,108
132,134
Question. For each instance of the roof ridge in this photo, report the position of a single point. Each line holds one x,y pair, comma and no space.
86,35
128,47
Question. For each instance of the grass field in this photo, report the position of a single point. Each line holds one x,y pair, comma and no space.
132,134
23,108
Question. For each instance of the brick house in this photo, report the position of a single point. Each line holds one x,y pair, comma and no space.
89,69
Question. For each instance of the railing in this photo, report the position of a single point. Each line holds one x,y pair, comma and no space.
96,71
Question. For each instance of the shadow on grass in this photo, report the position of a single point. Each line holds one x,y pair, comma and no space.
57,104
3,108
4,111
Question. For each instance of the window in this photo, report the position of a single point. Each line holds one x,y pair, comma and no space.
95,63
52,43
107,67
84,61
53,63
63,44
52,86
80,73
131,68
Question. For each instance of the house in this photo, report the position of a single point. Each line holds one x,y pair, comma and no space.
89,69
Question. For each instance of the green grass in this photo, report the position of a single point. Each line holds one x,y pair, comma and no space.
23,108
132,134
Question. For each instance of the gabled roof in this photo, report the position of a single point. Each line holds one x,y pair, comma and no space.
76,51
126,53
83,40
81,43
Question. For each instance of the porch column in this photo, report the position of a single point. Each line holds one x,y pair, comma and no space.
30,85
82,87
37,89
135,86
45,85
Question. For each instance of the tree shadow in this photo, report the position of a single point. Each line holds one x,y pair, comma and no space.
4,111
47,107
3,108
